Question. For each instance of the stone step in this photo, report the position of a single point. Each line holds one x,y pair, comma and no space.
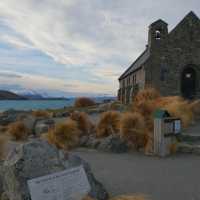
188,148
191,139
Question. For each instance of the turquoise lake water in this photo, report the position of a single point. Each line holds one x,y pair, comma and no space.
34,104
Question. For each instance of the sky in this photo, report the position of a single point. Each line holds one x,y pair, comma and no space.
77,47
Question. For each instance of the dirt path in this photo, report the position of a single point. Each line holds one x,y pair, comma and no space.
174,178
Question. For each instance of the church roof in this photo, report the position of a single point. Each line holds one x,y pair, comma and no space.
159,21
137,64
190,16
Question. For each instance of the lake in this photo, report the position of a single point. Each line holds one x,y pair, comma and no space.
34,104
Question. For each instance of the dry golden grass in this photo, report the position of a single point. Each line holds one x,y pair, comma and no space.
195,107
83,102
41,113
173,148
180,109
3,129
83,121
64,135
132,128
148,100
147,94
109,123
18,131
130,197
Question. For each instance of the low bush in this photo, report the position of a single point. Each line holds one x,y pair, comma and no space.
83,121
18,131
108,124
83,102
133,130
41,113
65,135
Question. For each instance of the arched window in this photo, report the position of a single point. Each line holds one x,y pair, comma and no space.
158,35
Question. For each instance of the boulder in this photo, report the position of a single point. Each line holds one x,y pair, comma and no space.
37,158
83,141
30,123
41,128
97,189
114,144
92,142
1,179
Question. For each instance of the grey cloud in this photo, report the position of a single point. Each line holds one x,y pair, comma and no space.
10,75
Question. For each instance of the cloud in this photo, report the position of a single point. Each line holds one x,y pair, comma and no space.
38,82
94,40
5,74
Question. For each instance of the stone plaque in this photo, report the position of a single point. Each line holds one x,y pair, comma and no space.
70,184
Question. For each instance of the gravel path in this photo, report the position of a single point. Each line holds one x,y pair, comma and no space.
174,178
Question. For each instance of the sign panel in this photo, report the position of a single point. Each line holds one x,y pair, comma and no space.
177,126
70,184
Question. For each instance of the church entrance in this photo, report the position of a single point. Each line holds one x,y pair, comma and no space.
188,83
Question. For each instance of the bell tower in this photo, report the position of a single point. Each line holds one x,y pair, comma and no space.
158,32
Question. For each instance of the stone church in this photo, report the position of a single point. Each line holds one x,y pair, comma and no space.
170,62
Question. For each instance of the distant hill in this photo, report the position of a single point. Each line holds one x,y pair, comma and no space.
6,95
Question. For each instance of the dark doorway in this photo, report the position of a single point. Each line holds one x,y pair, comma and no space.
188,83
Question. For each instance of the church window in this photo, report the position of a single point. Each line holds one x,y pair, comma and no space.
158,35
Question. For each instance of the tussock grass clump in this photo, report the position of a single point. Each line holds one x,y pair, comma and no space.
18,131
41,113
64,135
195,107
148,94
182,110
84,102
109,123
148,100
83,121
130,197
3,129
132,129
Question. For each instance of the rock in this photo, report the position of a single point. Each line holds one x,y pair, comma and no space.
4,196
41,128
97,190
49,122
37,158
93,142
29,160
30,123
196,149
1,180
83,141
61,114
185,148
113,143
